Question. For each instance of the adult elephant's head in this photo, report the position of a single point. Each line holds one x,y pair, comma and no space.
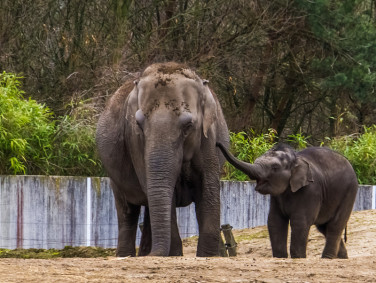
171,110
276,170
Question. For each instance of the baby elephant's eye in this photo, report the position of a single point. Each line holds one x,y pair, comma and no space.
275,166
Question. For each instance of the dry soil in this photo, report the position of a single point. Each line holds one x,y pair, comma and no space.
253,263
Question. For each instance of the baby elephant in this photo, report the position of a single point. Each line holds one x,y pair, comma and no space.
314,186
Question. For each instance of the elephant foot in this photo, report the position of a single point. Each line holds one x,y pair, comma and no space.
280,253
120,253
298,256
159,253
298,253
328,256
207,253
143,251
176,248
176,252
343,255
281,256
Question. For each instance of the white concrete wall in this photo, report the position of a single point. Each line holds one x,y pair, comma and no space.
52,212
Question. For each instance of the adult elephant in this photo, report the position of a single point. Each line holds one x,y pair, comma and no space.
156,140
315,186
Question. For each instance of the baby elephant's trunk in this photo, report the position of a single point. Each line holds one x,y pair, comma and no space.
253,171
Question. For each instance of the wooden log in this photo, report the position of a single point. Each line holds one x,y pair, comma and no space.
222,247
229,238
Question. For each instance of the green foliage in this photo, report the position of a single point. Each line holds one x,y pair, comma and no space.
32,141
26,130
360,150
298,140
273,64
75,150
247,147
348,32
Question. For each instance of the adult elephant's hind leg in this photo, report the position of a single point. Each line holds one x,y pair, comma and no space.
145,243
176,247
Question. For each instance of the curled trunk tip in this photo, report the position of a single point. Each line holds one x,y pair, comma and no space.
251,170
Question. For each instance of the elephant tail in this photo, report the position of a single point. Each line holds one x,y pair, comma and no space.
345,234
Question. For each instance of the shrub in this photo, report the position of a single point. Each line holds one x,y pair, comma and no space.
33,141
247,147
360,150
26,130
75,152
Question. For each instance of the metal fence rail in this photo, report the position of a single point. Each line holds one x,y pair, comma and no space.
52,212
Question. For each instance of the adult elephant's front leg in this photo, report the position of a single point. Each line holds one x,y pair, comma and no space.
127,214
208,217
127,221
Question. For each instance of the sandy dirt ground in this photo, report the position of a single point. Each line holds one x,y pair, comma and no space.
253,263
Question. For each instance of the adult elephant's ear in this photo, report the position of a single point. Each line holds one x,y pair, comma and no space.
132,105
209,108
301,174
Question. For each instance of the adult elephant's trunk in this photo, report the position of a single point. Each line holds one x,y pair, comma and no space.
254,171
162,167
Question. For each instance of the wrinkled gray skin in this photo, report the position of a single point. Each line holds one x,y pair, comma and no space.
156,140
315,186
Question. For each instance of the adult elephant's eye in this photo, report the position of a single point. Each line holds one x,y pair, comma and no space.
186,122
140,118
187,127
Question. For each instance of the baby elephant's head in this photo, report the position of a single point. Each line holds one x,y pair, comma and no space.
274,171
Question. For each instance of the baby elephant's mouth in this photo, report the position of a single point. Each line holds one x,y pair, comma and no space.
260,188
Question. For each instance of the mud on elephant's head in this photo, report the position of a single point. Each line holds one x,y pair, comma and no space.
276,170
170,97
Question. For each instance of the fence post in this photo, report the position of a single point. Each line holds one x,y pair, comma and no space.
88,212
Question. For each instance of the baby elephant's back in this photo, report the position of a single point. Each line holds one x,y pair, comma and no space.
336,170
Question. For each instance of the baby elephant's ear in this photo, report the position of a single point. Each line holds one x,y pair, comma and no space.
301,174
